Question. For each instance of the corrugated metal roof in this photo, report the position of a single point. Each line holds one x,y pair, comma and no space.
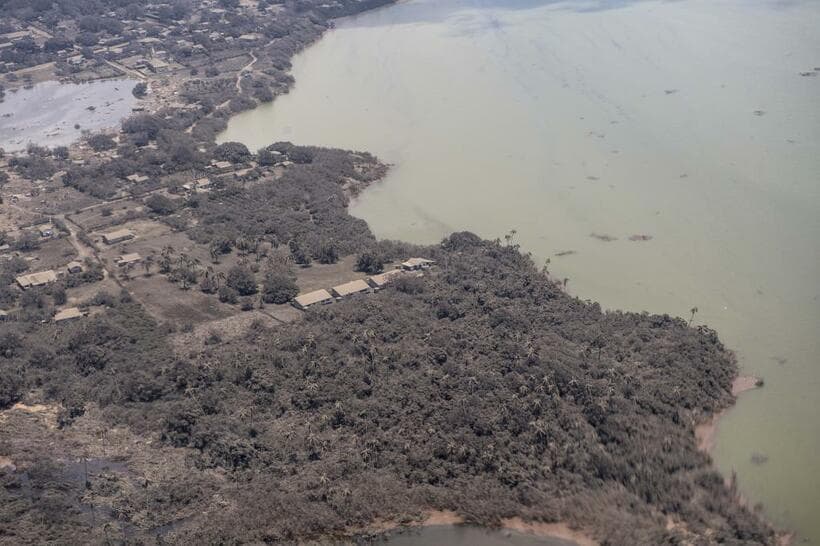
352,287
70,313
312,298
37,279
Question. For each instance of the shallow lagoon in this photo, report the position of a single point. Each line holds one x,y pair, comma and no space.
584,124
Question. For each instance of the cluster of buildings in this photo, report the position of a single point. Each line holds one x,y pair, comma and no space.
360,286
42,278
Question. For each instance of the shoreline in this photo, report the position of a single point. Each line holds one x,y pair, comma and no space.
706,431
553,530
706,435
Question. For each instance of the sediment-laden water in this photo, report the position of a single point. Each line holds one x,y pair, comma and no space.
54,114
663,155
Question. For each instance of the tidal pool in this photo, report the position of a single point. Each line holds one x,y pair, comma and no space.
662,155
46,114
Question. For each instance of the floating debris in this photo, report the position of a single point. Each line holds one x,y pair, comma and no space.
603,237
593,178
670,91
565,253
809,74
759,113
640,237
780,360
759,458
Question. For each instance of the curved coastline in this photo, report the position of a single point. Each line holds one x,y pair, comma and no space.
706,431
704,437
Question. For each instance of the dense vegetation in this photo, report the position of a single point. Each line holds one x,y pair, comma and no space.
482,389
306,207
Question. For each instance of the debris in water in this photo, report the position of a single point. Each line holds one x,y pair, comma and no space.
670,91
780,360
809,74
759,458
640,237
593,178
565,253
603,237
759,113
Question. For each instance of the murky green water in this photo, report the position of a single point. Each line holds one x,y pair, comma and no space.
685,121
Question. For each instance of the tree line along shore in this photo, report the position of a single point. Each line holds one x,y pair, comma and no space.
186,402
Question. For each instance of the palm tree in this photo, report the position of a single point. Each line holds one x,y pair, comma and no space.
126,272
540,429
165,259
147,263
598,343
510,237
366,454
693,310
213,250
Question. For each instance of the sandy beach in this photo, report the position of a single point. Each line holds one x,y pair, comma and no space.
706,432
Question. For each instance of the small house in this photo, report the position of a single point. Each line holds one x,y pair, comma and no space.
68,314
46,230
136,178
381,280
317,297
415,264
74,267
32,280
117,236
350,288
222,166
156,65
126,259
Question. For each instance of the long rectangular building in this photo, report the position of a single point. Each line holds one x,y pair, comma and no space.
317,297
350,288
40,278
381,280
117,236
414,264
68,314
